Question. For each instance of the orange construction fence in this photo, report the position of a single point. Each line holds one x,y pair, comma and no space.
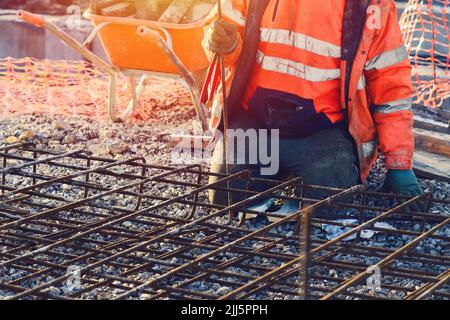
426,28
75,88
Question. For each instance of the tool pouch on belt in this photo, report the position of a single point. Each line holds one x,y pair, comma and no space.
293,116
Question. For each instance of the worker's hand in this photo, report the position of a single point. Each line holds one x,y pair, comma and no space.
222,35
404,182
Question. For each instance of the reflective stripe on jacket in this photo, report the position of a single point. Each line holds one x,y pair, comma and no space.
375,84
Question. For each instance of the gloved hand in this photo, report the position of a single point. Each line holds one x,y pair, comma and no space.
222,35
404,182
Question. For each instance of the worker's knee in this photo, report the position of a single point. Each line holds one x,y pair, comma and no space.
219,195
242,184
327,158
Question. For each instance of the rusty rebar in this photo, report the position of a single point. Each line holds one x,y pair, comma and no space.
137,230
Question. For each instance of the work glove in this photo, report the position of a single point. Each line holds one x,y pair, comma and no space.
222,35
404,182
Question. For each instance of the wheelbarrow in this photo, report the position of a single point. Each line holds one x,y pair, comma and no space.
139,48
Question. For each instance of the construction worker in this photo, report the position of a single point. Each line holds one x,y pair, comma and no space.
332,76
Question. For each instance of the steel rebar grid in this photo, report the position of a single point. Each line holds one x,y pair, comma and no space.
134,230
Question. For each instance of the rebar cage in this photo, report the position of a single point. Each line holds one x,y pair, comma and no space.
79,227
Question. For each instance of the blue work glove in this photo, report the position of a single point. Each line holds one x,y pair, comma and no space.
404,182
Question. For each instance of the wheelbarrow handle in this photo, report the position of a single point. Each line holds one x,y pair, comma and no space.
165,44
31,18
153,35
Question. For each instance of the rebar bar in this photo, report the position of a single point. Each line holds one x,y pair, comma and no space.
73,226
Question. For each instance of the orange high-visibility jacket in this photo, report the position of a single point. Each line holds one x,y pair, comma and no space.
369,84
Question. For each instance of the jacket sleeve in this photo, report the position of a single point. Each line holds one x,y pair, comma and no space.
234,11
388,74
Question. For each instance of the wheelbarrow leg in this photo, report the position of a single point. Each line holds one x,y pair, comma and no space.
166,47
112,94
82,49
136,94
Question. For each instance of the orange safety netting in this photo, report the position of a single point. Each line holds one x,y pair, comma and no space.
425,25
76,88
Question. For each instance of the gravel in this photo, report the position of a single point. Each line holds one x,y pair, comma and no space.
149,139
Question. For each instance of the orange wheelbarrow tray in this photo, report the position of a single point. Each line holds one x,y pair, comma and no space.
139,47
